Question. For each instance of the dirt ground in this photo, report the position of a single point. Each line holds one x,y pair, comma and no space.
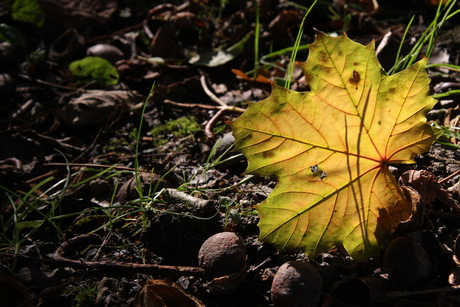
106,201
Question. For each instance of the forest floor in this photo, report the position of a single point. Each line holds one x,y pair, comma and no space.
111,182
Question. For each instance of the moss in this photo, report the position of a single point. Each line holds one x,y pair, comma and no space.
221,128
85,296
180,127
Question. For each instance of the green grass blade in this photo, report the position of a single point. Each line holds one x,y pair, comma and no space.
287,83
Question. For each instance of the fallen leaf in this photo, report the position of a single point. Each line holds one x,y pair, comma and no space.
164,293
95,68
244,76
329,149
219,57
97,106
79,13
28,11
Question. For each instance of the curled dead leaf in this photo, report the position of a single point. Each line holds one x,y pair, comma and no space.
164,293
241,75
429,188
13,292
357,291
228,283
457,251
66,45
408,219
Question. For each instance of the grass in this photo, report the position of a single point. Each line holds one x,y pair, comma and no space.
256,40
425,44
445,134
39,210
139,184
296,48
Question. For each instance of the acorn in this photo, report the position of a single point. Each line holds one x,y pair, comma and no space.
409,266
296,284
222,254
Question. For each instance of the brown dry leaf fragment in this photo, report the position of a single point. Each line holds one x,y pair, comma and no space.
405,221
236,96
244,76
67,45
452,120
424,183
429,188
164,293
164,42
96,106
286,21
79,13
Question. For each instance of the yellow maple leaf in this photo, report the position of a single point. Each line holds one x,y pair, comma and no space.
329,148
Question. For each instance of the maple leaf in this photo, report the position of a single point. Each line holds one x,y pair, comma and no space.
329,149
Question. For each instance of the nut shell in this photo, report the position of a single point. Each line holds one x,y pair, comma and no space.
222,254
296,284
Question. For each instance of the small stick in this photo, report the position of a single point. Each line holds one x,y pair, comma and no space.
173,195
191,105
118,267
397,294
122,168
222,108
211,123
450,176
232,109
23,108
211,94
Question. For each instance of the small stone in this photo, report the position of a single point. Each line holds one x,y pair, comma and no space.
106,51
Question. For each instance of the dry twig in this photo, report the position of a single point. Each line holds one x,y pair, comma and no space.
59,260
222,108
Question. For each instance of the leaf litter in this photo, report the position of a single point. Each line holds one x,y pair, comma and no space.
72,192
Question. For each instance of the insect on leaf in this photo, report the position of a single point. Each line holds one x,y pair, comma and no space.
329,149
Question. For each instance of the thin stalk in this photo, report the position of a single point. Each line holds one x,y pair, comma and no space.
428,37
136,156
448,66
287,83
398,54
256,40
448,93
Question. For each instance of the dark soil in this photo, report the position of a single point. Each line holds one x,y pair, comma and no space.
97,250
